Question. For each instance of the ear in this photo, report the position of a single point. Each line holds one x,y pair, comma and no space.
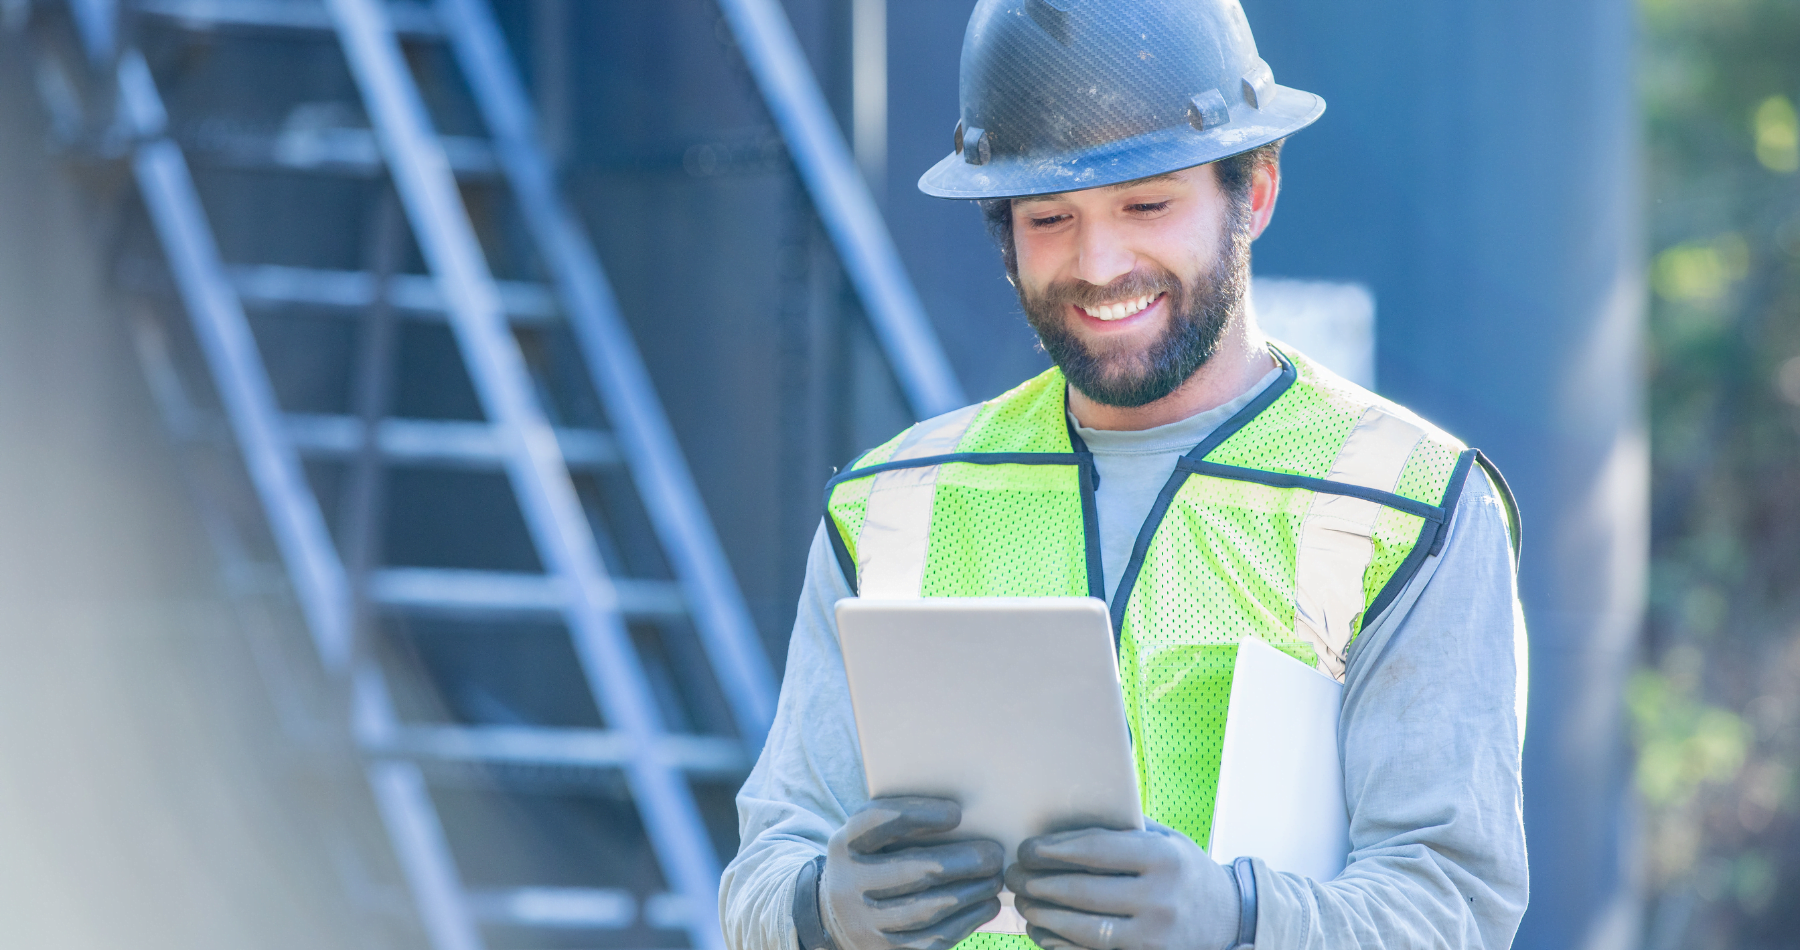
1265,185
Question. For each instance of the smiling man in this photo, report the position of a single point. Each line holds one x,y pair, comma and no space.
1211,485
1097,276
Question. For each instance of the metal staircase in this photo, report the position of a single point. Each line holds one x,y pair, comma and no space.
614,553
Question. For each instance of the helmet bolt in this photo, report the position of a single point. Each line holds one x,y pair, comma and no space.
1259,82
976,149
1207,110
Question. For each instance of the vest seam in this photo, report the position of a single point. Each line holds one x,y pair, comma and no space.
840,547
970,458
1335,543
1194,462
1434,517
1090,507
901,504
1027,423
1090,528
1140,548
1320,485
1184,465
1421,549
846,564
833,482
1290,373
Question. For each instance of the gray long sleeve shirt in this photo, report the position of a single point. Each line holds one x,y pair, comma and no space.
1429,733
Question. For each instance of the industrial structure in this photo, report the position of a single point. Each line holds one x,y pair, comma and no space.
508,345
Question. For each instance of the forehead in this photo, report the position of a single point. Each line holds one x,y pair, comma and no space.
1176,177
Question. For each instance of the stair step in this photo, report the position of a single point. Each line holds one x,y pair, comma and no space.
413,294
450,590
326,150
538,745
576,908
583,908
409,17
440,441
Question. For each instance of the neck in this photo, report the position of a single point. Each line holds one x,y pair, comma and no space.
1241,359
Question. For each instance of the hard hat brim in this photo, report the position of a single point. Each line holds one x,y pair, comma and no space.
1165,150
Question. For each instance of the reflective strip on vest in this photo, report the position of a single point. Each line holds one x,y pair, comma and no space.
896,533
1335,545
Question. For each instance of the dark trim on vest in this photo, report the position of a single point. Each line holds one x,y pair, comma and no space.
1140,549
1513,524
846,565
1320,485
1435,517
1459,476
1422,548
1252,409
968,458
1077,444
1090,507
840,475
1083,462
1153,521
1090,528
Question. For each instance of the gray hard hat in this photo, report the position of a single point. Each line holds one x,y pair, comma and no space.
1063,95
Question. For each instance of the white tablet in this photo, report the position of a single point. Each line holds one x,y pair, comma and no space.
1009,706
1281,789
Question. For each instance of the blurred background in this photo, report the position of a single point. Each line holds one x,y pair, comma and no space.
413,418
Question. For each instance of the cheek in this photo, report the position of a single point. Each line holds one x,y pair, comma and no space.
1036,257
1192,245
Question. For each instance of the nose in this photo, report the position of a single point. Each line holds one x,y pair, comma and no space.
1102,255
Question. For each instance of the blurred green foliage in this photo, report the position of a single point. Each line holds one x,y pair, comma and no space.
1716,706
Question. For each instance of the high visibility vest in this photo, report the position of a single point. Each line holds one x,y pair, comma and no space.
1299,520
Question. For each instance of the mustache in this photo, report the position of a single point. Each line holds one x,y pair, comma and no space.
1135,284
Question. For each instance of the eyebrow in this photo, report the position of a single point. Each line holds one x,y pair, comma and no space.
1121,186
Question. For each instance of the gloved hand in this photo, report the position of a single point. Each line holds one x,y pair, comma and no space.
879,893
1123,890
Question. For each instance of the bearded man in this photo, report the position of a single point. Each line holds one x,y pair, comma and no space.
1211,485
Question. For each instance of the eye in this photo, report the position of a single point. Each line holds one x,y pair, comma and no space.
1048,221
1148,207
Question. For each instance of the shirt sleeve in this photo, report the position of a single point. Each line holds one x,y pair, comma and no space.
808,778
1430,736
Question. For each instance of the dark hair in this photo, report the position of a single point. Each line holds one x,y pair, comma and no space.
1235,174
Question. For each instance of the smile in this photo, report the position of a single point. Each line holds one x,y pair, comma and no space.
1122,309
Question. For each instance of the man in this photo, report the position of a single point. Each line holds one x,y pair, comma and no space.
1208,483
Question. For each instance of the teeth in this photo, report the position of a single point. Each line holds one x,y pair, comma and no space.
1121,310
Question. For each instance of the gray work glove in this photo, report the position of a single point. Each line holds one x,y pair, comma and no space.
1123,890
880,893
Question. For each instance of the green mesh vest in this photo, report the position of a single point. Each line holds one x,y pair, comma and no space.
1297,521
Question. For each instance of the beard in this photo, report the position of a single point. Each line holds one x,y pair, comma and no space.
1199,311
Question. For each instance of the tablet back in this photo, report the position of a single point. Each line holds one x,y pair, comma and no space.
1010,706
